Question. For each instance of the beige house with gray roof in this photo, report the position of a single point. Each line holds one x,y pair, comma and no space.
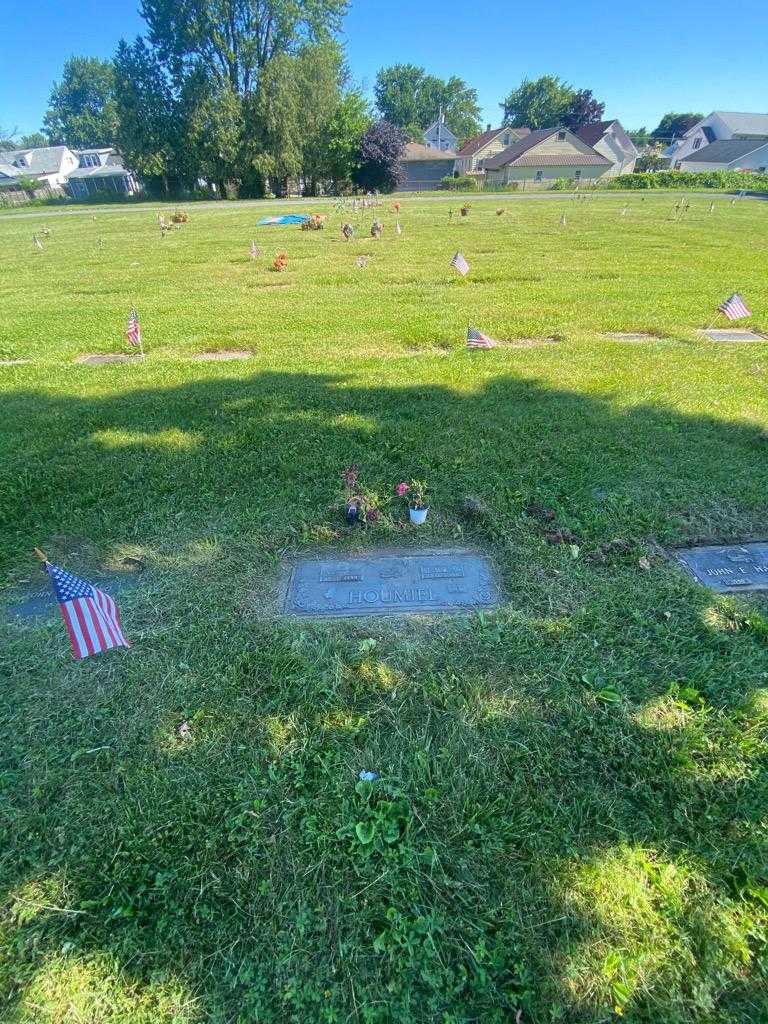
543,156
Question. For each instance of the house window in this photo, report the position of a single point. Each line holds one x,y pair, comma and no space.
89,160
505,139
561,136
577,174
697,142
678,164
539,175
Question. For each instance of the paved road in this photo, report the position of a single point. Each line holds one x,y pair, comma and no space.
270,204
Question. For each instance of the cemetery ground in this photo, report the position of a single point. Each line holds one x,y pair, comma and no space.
570,819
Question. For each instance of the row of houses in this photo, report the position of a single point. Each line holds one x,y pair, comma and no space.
81,172
532,159
725,140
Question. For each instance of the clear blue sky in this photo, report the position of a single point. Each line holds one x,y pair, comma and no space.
640,59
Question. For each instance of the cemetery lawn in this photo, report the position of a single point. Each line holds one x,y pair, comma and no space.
572,814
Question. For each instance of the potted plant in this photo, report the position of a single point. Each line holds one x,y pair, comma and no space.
417,500
360,506
464,211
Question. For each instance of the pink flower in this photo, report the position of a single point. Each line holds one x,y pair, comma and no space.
402,489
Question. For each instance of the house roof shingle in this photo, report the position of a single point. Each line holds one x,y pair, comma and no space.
743,123
475,144
592,133
724,151
519,155
416,151
45,160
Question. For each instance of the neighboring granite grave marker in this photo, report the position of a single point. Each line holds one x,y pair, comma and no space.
730,568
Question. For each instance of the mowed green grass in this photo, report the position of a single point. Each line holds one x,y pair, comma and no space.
571,819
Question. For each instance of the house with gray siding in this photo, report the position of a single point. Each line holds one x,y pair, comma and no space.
425,167
100,171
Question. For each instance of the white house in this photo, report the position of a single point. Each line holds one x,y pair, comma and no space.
720,125
440,136
609,139
728,155
50,165
100,170
84,172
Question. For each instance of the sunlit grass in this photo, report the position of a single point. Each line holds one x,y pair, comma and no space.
570,819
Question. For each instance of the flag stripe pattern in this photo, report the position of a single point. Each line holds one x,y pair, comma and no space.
134,330
476,339
460,264
734,307
92,618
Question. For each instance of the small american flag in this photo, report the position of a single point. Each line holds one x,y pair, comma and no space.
734,308
37,243
91,616
398,229
134,331
563,220
460,264
476,339
255,252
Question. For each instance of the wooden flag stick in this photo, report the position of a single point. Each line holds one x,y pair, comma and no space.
40,554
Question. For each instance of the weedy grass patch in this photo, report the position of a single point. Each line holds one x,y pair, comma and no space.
570,818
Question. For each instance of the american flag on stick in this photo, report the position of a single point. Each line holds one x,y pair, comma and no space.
398,229
476,339
37,243
460,264
255,252
134,330
91,616
734,307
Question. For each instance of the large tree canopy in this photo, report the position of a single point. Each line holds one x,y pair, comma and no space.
547,102
674,125
82,109
232,40
408,97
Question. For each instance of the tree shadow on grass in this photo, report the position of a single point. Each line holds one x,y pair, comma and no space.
539,765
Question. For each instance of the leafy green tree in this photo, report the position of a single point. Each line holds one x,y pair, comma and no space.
35,140
640,136
408,97
151,133
343,136
233,40
541,103
7,138
213,124
673,125
82,107
274,121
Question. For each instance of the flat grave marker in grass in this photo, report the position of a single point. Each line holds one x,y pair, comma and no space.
728,568
222,356
39,601
732,334
631,336
391,583
104,358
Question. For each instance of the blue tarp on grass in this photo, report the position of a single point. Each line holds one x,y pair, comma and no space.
288,218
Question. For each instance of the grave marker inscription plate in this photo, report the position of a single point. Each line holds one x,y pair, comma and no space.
403,583
728,569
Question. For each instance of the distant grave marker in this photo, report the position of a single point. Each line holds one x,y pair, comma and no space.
39,601
631,336
728,568
732,334
222,356
103,358
394,583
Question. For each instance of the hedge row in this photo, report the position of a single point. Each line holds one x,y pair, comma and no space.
729,180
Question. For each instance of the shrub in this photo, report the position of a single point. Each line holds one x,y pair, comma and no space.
511,186
561,185
727,180
464,183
